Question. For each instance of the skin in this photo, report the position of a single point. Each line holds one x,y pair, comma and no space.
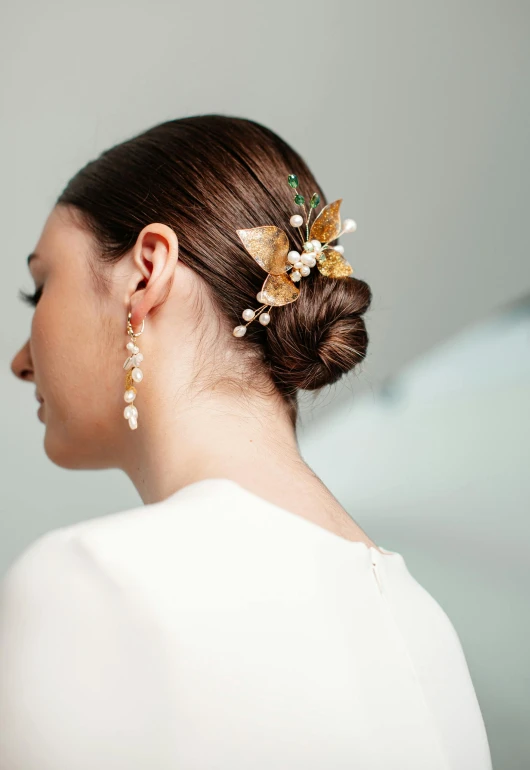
187,430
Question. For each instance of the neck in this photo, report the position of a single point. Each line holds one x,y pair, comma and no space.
214,437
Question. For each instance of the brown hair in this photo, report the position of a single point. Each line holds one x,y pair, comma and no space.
205,177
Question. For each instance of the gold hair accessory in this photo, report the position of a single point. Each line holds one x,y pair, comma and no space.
269,246
134,374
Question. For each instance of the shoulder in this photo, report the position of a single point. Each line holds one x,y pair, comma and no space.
61,601
77,661
75,549
41,561
56,559
106,550
49,598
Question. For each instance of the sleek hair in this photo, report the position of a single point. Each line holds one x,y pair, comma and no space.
206,176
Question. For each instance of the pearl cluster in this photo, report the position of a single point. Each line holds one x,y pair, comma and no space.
134,374
313,250
249,315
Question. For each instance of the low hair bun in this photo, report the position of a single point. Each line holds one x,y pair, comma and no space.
313,341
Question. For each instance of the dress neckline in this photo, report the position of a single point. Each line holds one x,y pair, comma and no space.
216,481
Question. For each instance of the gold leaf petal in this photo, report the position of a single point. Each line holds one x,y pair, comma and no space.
279,290
268,245
326,226
334,266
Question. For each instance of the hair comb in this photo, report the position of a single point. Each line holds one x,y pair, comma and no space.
269,246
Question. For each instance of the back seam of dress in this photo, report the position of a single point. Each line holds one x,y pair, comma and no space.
390,613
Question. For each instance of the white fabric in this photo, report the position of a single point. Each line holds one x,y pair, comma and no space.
217,631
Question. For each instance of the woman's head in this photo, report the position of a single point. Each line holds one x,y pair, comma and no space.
150,226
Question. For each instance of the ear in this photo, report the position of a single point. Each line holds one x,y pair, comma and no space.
155,254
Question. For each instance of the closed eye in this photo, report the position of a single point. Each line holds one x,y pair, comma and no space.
30,299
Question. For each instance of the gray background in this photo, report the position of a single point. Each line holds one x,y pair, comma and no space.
418,115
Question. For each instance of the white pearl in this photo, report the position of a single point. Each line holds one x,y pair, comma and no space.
305,270
264,319
247,314
305,259
127,412
316,245
293,256
130,346
129,395
349,226
296,220
134,410
338,248
137,374
260,297
312,263
298,264
295,275
133,423
138,358
308,246
239,331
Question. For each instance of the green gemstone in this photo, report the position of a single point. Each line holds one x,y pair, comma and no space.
315,200
299,200
293,180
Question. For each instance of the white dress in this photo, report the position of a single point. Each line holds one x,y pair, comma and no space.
217,631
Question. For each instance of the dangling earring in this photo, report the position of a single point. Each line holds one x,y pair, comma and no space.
134,374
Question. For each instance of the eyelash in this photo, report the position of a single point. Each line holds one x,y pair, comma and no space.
31,299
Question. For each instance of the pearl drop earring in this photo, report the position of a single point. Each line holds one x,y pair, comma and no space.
134,374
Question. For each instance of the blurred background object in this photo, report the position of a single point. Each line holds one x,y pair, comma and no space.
418,115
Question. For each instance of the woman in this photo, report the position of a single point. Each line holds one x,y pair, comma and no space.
239,618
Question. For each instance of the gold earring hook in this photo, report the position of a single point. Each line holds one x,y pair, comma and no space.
129,326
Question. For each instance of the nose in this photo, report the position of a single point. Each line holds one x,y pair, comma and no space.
21,365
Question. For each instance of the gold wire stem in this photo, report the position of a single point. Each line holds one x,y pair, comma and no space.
308,218
307,223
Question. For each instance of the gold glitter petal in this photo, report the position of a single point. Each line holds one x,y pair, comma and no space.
279,290
268,245
326,226
334,266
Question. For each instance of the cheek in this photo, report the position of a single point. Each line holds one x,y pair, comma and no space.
75,366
